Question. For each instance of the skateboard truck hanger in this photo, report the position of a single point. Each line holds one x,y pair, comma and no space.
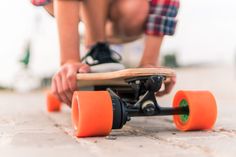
145,104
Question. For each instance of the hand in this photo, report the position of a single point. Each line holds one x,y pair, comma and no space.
64,82
169,83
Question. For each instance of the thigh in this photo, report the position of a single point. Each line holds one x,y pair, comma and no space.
128,9
128,16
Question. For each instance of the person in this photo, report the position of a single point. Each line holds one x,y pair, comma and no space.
107,21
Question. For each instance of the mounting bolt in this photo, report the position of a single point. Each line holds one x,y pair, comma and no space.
137,82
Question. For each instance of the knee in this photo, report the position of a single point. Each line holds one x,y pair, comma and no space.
133,13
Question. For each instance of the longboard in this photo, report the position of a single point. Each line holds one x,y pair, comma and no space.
97,111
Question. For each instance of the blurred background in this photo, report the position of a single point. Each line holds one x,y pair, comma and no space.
29,53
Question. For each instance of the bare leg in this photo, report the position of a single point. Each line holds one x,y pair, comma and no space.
94,15
127,19
67,15
125,24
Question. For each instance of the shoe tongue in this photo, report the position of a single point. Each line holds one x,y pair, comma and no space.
101,51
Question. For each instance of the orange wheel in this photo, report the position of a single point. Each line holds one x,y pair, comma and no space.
202,110
53,104
92,113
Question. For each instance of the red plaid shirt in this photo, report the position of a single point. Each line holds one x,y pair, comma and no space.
160,21
162,17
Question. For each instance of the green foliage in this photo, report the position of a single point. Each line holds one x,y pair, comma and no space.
25,59
170,60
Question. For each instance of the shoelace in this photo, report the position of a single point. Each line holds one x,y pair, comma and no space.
102,49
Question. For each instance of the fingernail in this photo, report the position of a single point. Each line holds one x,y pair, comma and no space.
82,71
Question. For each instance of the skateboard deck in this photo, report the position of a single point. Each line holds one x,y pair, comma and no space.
120,77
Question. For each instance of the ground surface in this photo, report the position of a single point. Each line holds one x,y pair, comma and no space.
26,129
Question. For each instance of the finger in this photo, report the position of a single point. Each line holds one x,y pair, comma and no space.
55,90
66,88
169,84
161,93
169,87
60,90
84,68
71,79
170,79
167,90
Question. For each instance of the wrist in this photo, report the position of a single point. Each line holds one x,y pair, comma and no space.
151,51
69,57
147,65
70,61
148,62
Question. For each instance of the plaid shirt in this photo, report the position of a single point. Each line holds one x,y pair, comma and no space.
160,21
40,2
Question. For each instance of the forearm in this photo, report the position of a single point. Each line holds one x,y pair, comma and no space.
159,23
151,50
67,18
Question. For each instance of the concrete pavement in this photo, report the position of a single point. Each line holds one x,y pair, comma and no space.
26,129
